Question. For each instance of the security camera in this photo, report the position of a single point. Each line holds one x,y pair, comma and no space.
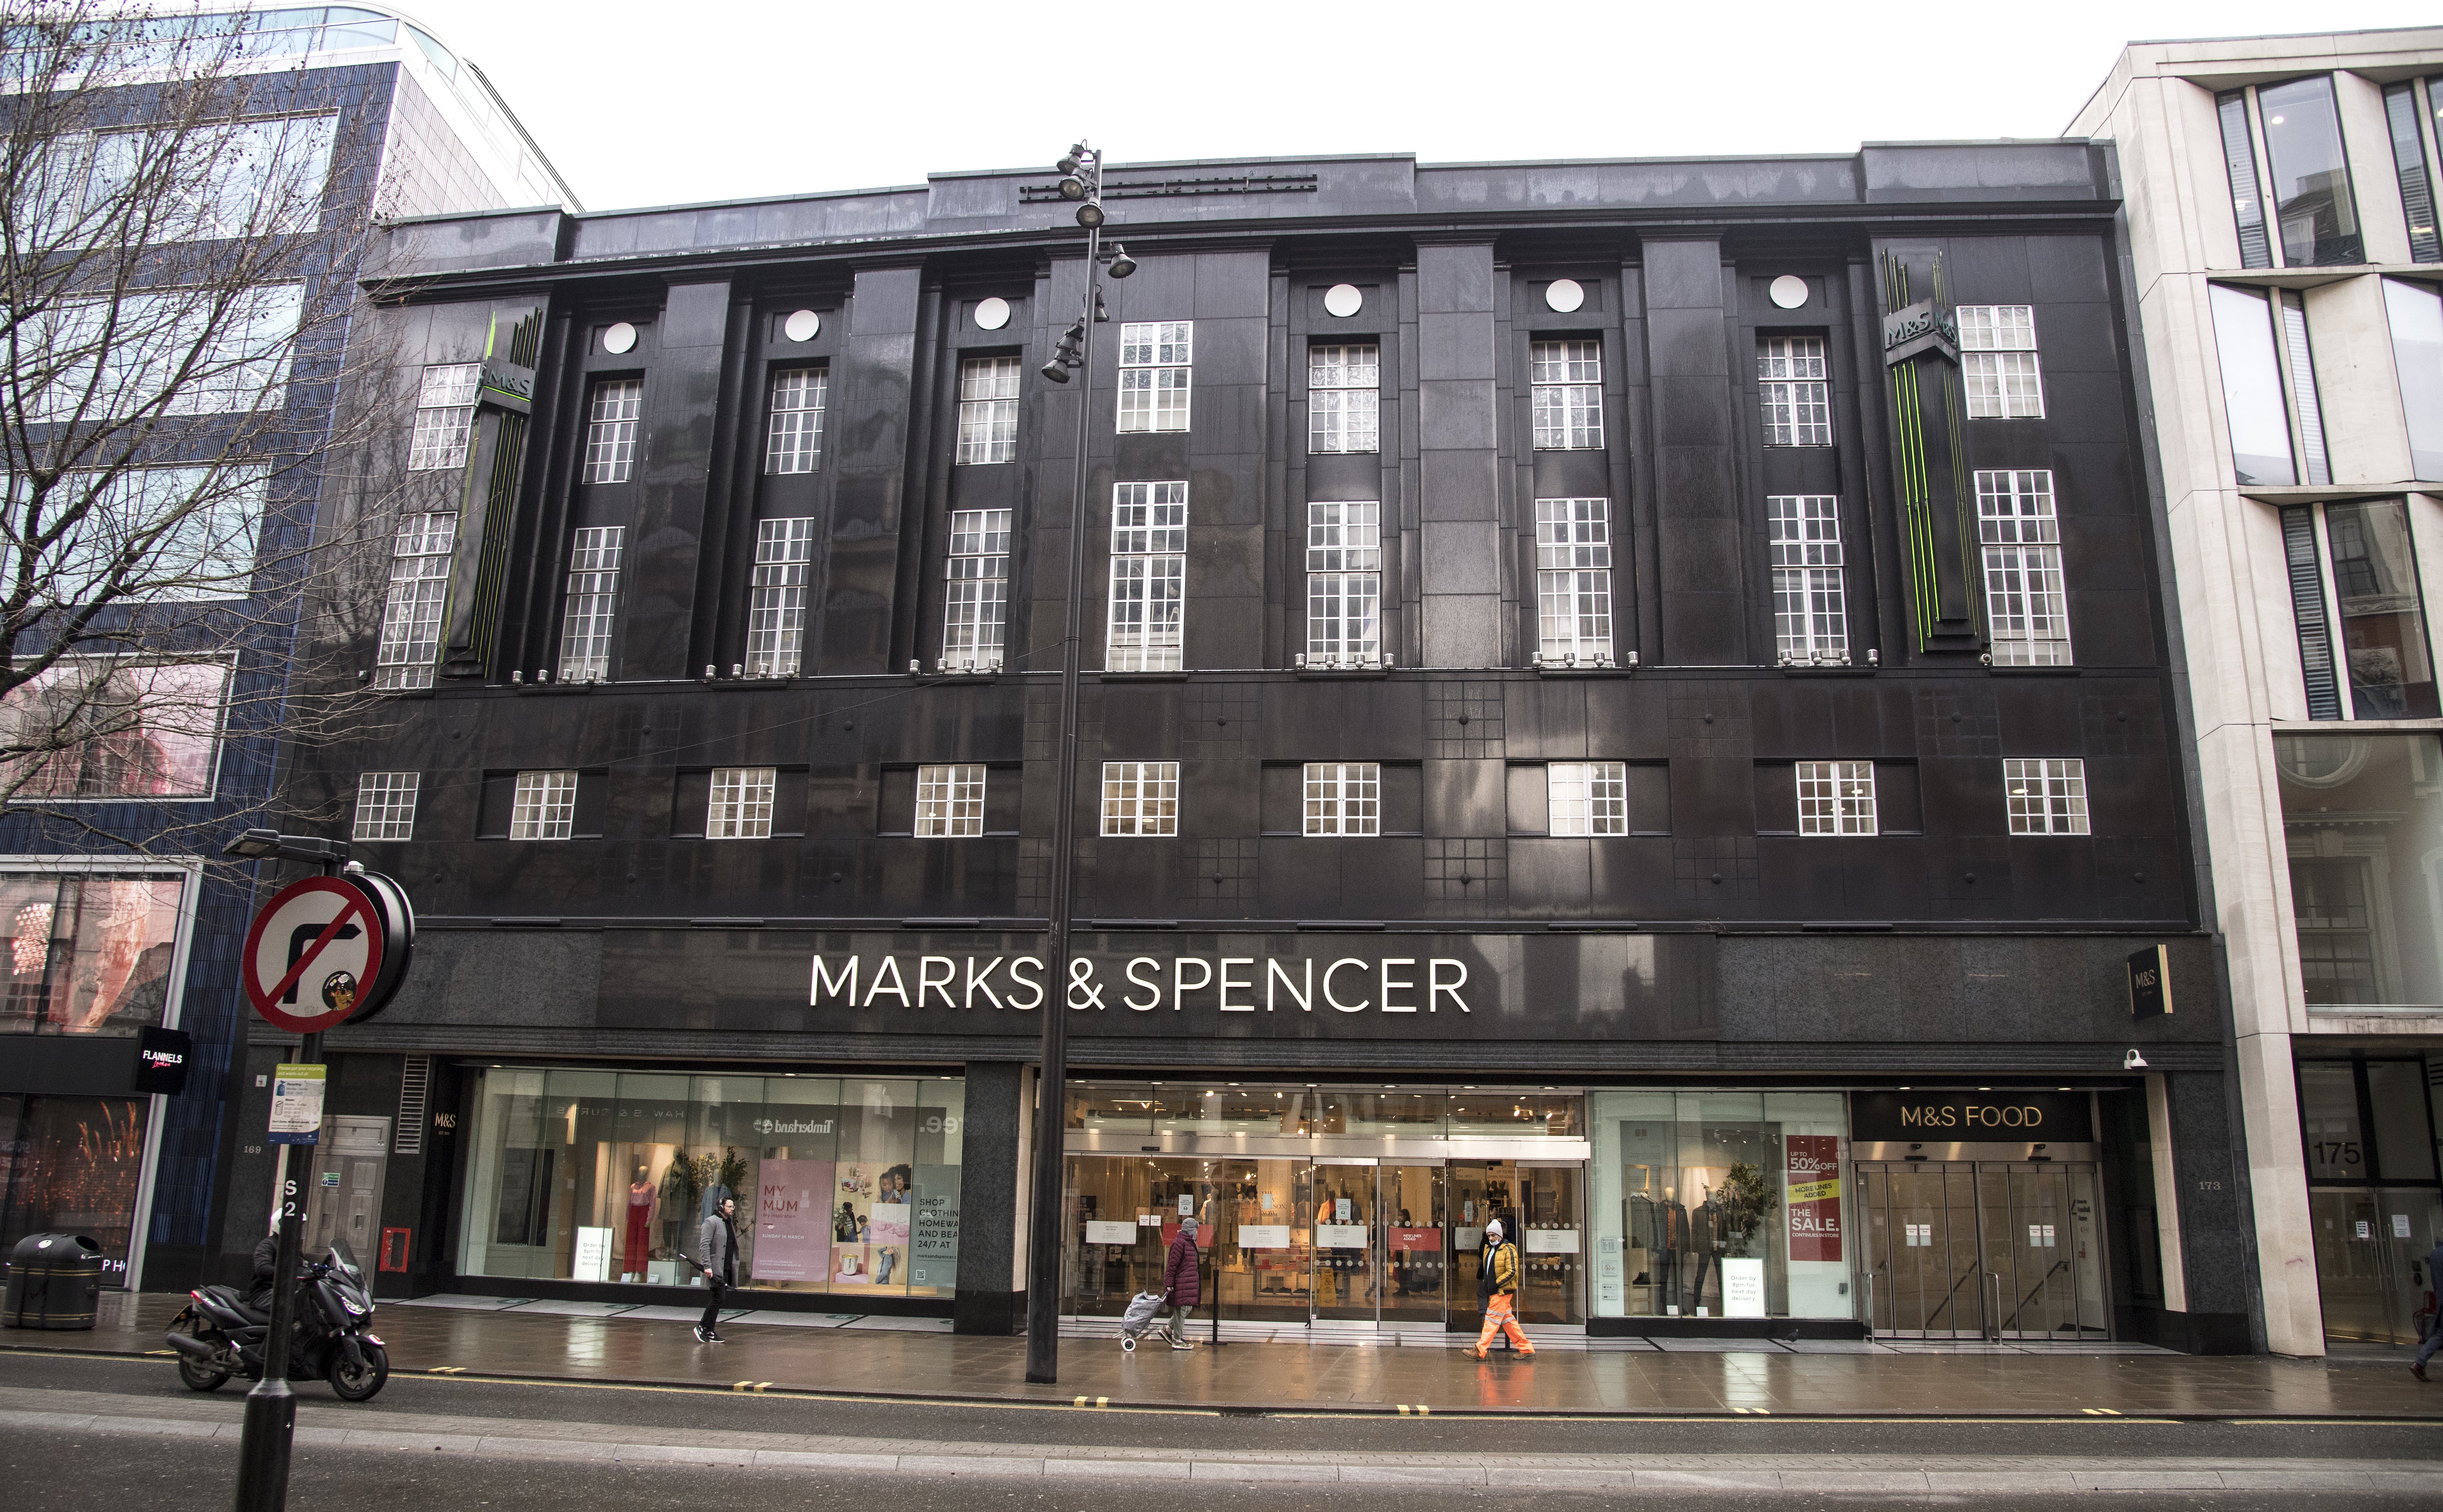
2133,1062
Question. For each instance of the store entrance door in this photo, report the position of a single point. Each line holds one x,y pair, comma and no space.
1380,1254
2370,1247
1961,1249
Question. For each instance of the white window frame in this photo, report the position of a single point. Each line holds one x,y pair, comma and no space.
795,421
951,802
1573,582
1564,383
1586,799
1343,582
1157,361
987,411
592,605
1141,799
445,416
1148,583
776,603
422,550
1997,358
739,804
611,412
1792,375
975,599
1811,585
385,806
1344,398
1837,798
544,807
1344,799
2026,596
2047,794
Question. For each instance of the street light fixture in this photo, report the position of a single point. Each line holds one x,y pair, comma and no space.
1082,182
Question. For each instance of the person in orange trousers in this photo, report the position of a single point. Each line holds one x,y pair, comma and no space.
1502,1303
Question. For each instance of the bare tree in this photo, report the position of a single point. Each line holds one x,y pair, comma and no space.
181,215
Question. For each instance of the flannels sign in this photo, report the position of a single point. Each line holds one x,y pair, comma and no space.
1224,984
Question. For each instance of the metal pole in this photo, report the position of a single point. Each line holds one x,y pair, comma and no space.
270,1423
1044,1227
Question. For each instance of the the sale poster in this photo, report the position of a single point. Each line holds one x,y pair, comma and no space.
792,1220
1813,1196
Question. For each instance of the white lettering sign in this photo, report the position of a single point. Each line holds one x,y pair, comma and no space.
1552,1241
1226,985
1099,1232
1263,1236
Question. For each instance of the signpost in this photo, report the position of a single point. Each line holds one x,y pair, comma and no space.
325,951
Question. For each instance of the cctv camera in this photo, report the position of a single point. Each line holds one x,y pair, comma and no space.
2133,1062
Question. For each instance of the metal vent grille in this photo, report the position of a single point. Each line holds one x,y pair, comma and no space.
413,1084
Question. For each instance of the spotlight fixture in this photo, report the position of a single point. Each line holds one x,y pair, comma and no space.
1073,187
1089,215
1122,264
1055,370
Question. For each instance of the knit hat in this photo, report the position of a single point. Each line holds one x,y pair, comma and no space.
1492,1229
1187,1225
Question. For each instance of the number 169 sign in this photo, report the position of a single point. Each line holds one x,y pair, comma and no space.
328,950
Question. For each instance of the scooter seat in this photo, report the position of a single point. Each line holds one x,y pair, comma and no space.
231,1298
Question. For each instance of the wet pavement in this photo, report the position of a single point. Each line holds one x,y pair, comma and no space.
885,1357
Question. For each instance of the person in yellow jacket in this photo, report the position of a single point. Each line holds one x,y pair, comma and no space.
1501,1297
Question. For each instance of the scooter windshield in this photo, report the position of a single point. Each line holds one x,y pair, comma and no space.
344,1260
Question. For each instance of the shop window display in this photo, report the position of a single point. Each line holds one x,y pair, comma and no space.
87,952
1720,1203
842,1184
71,1166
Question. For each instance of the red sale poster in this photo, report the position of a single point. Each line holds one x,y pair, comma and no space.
1813,1195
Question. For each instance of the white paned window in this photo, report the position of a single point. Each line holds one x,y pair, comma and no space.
797,442
1811,608
1567,389
545,807
445,418
1344,398
1586,798
1574,580
1997,355
2027,602
987,410
1836,798
1141,797
1155,356
593,598
1148,577
776,605
740,808
1343,581
1797,400
949,802
2048,796
611,430
419,583
385,806
1344,798
979,588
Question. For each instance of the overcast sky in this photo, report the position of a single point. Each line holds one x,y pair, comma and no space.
661,103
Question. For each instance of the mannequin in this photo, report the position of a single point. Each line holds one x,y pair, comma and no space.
1672,1231
1706,1240
641,1204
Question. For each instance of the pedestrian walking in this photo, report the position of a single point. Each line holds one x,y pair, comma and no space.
1499,1280
2435,1324
718,1256
1183,1282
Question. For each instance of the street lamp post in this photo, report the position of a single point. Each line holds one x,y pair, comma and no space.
1081,182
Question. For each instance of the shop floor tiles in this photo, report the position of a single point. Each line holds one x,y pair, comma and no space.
567,1309
1289,1372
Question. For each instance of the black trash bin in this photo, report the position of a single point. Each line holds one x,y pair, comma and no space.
54,1281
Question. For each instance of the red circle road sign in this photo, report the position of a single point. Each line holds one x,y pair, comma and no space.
315,950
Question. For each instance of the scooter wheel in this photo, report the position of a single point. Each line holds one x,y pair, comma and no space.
358,1386
195,1375
1127,1344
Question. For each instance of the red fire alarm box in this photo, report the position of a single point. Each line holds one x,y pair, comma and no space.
394,1249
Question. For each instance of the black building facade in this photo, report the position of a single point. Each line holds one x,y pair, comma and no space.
1629,697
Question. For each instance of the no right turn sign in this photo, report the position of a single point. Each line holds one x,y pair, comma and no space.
314,951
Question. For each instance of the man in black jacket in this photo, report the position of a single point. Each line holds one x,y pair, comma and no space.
2434,1325
267,1264
718,1249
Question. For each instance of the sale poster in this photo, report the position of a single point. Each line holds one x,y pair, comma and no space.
1812,1198
792,1220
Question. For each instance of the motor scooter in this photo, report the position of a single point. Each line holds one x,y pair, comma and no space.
218,1336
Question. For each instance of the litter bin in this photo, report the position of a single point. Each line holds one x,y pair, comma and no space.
54,1281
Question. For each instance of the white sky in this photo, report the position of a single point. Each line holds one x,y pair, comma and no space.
662,103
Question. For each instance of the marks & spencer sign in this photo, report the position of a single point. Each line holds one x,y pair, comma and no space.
2004,1114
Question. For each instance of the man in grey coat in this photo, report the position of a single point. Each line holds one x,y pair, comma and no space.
717,1253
